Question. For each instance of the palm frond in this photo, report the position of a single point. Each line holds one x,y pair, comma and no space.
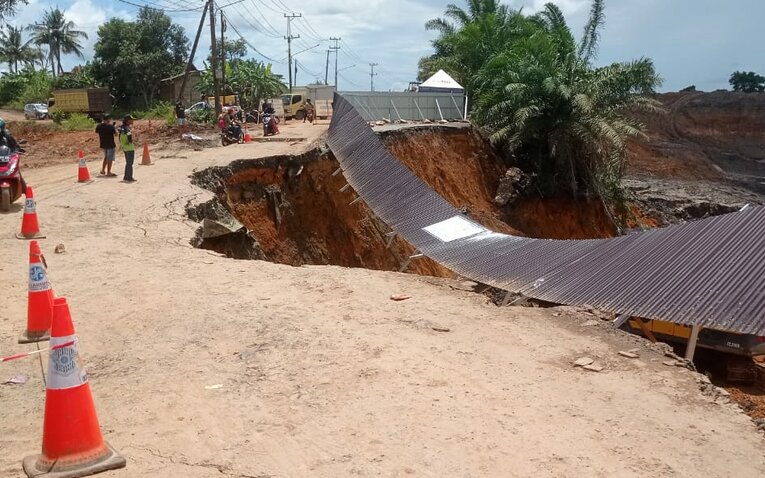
588,47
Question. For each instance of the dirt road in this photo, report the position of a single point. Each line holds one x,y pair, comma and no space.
205,367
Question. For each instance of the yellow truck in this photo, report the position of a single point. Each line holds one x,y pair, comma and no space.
318,94
91,101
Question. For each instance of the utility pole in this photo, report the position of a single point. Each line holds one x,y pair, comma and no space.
336,47
222,55
289,39
372,75
190,63
326,69
214,49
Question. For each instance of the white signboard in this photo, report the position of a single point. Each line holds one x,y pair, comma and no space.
454,228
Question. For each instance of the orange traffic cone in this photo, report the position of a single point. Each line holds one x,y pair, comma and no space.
83,175
247,137
30,228
40,302
146,159
72,444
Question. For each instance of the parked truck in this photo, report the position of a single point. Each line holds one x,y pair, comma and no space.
318,94
91,101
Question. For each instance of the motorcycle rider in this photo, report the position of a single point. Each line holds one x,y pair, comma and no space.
6,139
268,109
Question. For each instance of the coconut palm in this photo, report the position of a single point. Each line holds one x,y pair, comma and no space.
542,101
467,39
59,35
13,49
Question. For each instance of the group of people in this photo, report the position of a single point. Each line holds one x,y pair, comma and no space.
107,131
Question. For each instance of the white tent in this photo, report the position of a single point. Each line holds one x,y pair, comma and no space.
441,82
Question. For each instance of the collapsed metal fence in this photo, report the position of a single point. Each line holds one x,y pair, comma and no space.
408,106
708,273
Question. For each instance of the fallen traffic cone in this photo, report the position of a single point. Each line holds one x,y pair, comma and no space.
146,159
40,300
83,175
247,137
30,228
72,444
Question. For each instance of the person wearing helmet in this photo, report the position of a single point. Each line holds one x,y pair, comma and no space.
6,139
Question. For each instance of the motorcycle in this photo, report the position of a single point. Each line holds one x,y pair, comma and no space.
228,137
10,177
268,124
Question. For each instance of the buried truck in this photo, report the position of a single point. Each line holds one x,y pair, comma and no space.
729,354
320,95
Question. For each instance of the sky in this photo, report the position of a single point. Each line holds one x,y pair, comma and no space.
692,42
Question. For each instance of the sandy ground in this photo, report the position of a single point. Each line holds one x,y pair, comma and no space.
205,367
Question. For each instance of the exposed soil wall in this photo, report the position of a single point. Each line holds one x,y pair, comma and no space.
704,136
293,207
293,212
461,166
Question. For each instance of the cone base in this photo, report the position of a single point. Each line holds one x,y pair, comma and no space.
111,461
27,338
147,164
87,181
37,235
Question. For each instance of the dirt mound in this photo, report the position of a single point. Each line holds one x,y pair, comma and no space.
48,145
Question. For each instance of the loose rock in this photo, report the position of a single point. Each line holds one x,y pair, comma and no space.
628,354
593,367
60,249
584,361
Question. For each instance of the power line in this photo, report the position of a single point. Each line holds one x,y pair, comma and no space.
356,56
258,28
274,9
233,27
349,81
144,5
264,18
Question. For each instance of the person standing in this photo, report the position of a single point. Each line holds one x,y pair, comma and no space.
310,111
128,147
106,133
180,118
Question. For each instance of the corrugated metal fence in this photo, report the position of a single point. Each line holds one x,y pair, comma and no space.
709,273
408,106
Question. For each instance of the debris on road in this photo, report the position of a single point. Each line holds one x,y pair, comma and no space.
583,362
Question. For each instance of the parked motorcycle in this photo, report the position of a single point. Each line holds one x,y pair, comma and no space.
268,124
228,137
10,177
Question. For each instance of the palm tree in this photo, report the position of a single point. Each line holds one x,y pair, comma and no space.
543,102
59,35
468,39
13,49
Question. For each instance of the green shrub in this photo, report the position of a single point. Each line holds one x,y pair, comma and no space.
206,116
57,115
78,122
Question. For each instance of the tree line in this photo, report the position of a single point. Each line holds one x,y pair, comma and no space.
131,58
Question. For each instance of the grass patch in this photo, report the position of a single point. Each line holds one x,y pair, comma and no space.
78,122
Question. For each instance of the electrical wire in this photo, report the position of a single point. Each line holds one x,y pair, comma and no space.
257,26
144,5
273,9
349,81
350,50
233,27
270,25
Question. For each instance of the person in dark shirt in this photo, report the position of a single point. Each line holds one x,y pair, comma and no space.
180,118
106,133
